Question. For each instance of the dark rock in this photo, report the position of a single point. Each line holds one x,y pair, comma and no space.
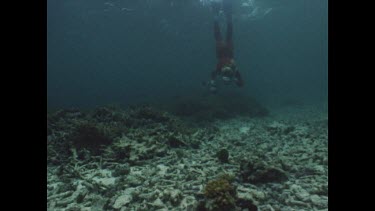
288,129
246,204
121,171
105,114
81,196
74,208
258,172
201,206
88,136
223,155
175,142
271,174
67,113
66,187
195,144
180,153
149,113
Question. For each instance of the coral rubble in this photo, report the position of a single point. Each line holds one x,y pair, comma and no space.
145,158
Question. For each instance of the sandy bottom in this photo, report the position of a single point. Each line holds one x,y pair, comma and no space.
292,139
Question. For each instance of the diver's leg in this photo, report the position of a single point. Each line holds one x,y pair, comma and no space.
227,7
217,33
229,35
216,6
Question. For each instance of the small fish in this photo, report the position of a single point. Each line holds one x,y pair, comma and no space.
126,9
109,4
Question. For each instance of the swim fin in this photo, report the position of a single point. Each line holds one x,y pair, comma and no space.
216,7
227,7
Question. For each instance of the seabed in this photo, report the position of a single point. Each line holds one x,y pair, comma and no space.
143,158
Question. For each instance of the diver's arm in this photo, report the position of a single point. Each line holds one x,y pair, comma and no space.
229,35
214,75
216,10
212,84
239,80
227,7
216,71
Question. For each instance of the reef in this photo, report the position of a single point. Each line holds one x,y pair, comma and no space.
147,158
220,194
257,171
211,108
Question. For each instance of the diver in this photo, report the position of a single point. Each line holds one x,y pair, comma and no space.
226,67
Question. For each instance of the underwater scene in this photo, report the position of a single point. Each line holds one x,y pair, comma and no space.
196,105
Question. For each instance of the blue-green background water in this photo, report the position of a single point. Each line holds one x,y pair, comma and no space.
99,53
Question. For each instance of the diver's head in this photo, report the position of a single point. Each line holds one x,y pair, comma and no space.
226,69
227,74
